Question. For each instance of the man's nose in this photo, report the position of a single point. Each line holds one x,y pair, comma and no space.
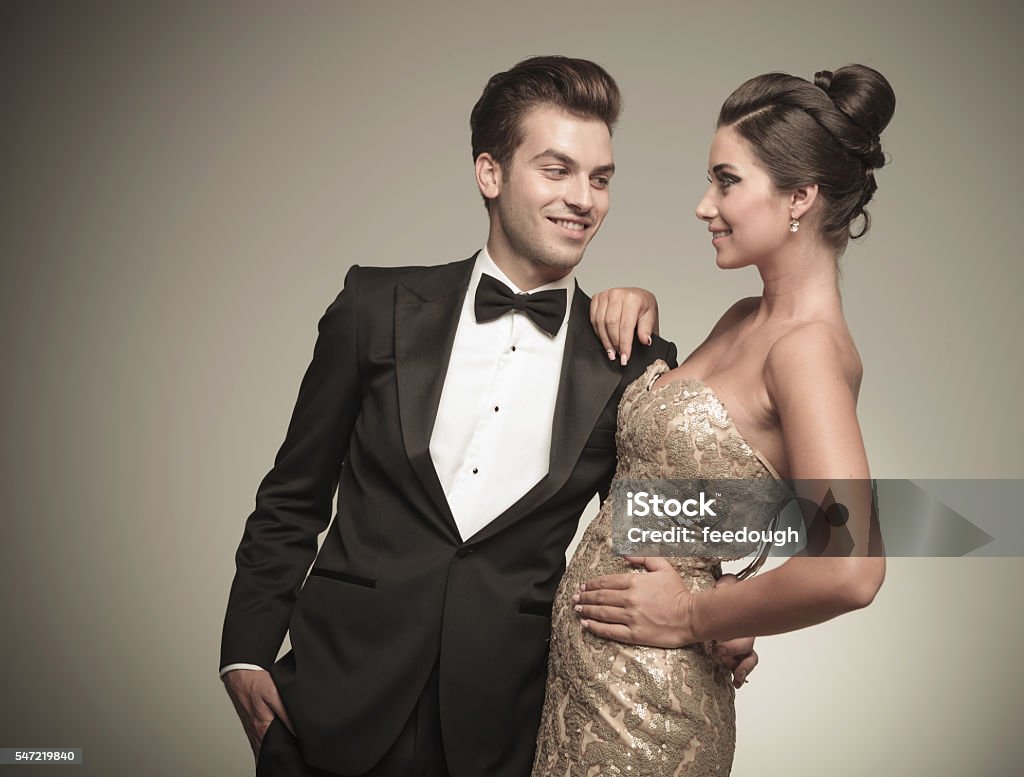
579,195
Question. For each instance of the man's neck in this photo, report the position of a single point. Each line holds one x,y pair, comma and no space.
526,275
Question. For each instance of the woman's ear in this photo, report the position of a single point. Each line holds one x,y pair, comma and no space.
801,199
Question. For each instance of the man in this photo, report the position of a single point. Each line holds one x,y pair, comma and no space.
469,425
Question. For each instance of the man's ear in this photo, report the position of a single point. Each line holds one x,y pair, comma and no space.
801,199
488,175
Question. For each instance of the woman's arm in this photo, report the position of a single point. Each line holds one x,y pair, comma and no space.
813,393
615,313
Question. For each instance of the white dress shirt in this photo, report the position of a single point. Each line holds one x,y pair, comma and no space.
491,441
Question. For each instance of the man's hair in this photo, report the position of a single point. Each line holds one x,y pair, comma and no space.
578,86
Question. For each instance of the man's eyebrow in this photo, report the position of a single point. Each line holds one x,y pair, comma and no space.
571,163
565,159
722,166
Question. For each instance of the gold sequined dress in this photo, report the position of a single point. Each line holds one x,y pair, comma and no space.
617,709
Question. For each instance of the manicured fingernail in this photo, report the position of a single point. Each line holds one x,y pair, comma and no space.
585,624
741,677
625,359
649,339
583,586
578,608
611,354
575,597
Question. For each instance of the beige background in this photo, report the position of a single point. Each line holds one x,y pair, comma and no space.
182,188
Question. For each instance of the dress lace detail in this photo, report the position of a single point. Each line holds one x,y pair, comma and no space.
630,710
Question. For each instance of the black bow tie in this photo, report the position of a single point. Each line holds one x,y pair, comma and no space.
545,308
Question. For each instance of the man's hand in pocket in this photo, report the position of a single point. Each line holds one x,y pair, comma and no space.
257,703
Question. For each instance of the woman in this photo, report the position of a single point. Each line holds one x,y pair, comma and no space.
636,686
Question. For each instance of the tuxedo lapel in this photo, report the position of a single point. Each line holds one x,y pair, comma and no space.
588,380
426,319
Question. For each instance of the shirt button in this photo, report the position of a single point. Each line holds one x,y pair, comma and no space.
475,470
513,348
495,408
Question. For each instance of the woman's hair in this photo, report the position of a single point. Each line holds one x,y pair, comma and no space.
825,133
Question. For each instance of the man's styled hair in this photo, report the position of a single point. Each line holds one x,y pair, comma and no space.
577,86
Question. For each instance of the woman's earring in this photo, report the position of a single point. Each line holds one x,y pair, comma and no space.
794,225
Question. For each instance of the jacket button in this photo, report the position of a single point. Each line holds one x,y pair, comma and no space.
464,551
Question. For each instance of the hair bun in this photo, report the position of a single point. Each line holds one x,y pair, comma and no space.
823,80
867,99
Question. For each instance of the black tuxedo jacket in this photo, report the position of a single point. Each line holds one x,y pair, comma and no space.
394,589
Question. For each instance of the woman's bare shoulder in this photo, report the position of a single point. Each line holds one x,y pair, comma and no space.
815,350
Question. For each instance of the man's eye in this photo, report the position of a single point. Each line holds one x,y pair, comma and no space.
556,172
601,181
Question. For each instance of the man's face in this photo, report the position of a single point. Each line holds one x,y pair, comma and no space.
554,195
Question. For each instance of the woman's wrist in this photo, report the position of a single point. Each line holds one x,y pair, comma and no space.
693,608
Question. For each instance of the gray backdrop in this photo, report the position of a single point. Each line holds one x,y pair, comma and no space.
184,185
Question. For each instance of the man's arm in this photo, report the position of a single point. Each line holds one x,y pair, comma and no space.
660,349
294,501
293,505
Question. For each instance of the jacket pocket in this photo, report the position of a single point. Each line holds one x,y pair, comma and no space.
536,608
603,439
344,577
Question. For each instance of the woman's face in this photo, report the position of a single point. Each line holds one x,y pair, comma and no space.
748,218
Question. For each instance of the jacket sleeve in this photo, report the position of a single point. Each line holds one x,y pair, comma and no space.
670,355
294,501
662,349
